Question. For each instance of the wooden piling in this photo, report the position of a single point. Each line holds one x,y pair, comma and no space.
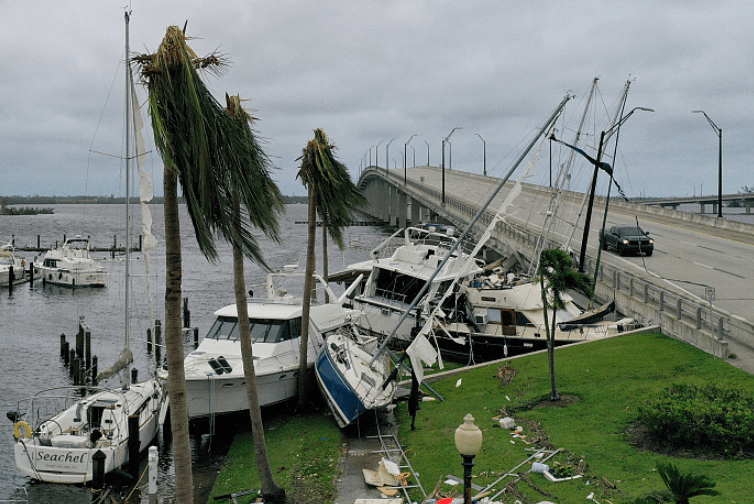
149,340
158,341
66,354
88,348
186,314
62,346
94,370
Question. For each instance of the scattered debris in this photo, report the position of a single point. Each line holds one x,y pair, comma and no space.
384,476
505,374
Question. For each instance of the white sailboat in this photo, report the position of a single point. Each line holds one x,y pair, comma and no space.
60,433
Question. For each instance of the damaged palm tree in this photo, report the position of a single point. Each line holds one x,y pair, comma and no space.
557,274
195,137
256,164
332,194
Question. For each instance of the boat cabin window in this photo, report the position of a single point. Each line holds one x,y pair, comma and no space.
395,286
262,330
50,263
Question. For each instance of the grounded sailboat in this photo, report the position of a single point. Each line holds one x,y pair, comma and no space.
61,434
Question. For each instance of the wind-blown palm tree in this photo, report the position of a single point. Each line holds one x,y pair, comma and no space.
332,193
269,200
197,140
557,274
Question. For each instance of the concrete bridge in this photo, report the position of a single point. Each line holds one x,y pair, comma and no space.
697,286
746,199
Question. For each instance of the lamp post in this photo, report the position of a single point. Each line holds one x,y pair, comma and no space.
412,148
405,169
719,133
604,136
445,140
468,440
377,154
484,153
427,151
387,156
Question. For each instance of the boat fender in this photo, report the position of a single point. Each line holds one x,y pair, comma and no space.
26,430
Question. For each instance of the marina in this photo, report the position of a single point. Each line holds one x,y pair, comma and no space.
34,316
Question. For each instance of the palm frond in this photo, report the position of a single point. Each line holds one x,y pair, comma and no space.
336,192
212,153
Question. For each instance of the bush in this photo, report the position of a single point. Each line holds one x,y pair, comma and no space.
710,418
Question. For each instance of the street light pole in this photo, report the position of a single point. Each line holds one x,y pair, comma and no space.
377,154
445,140
405,162
387,157
484,153
427,151
719,133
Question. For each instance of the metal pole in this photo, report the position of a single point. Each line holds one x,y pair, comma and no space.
484,154
427,151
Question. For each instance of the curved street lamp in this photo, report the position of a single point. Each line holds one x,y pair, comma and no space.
427,151
445,140
468,438
387,155
405,170
719,133
484,153
377,154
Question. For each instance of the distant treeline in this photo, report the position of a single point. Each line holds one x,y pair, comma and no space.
103,200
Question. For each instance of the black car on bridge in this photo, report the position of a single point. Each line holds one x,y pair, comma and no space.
627,240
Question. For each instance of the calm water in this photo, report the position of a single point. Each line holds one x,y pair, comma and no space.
32,317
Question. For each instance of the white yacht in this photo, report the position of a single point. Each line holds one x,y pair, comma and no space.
215,382
394,282
71,265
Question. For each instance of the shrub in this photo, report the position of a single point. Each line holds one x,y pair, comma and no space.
708,418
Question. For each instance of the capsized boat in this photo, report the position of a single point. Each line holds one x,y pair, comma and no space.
350,382
215,381
71,265
394,281
499,315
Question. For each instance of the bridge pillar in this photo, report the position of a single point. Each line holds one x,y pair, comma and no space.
747,204
415,212
703,206
402,208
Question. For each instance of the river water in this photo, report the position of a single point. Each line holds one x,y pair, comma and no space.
32,317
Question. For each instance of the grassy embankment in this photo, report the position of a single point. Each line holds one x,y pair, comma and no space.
606,382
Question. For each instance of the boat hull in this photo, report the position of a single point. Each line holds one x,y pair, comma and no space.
344,402
73,278
66,455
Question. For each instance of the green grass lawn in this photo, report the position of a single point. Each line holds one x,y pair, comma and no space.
606,380
609,380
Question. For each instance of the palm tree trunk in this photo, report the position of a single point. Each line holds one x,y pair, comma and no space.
184,484
271,492
324,259
308,287
554,395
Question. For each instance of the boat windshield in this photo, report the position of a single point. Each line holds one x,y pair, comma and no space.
262,330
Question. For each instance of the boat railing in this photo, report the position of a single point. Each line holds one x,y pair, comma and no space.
389,295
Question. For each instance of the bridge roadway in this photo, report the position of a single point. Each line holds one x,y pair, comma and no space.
692,252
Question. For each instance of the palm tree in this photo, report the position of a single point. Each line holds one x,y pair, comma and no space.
194,135
332,194
269,199
557,269
685,486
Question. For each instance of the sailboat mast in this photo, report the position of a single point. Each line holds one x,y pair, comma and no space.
128,193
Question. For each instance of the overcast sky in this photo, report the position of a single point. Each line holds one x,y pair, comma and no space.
371,71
